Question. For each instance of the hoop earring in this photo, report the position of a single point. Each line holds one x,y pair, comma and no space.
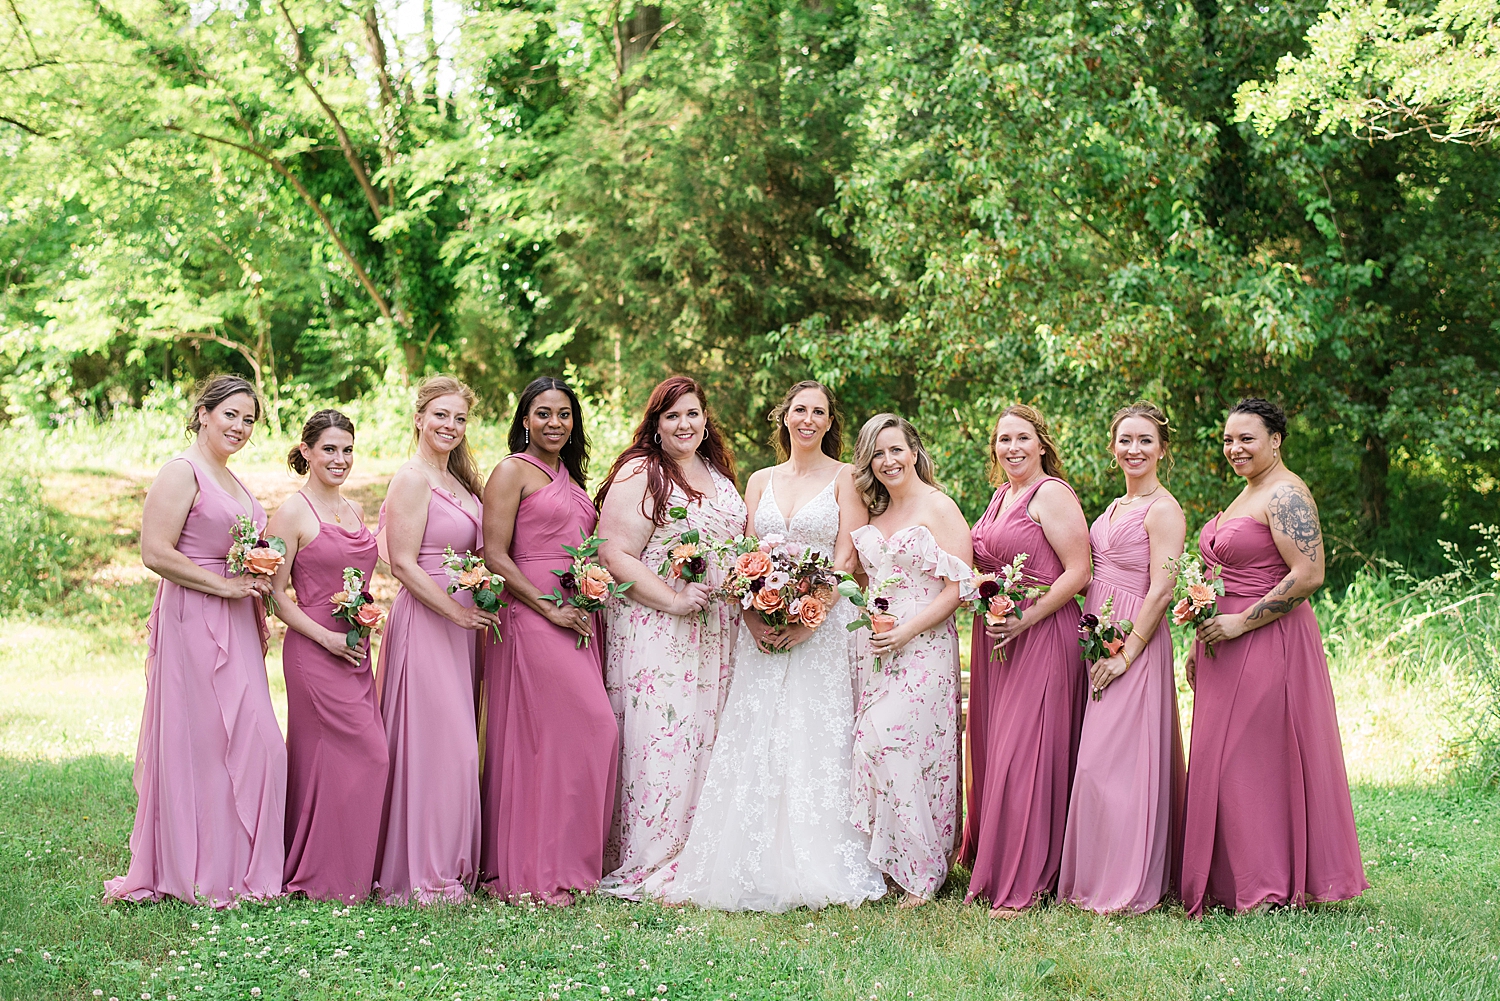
656,438
1114,461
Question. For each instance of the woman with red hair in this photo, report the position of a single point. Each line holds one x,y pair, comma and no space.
667,658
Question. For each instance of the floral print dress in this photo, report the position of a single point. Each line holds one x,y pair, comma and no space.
906,778
667,677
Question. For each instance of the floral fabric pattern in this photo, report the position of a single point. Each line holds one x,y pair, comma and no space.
905,783
667,677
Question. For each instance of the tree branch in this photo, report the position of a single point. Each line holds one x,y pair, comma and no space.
312,203
22,126
300,63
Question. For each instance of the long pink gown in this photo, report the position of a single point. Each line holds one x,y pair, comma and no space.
551,751
1025,714
336,753
1123,844
667,678
429,840
1268,816
904,786
210,765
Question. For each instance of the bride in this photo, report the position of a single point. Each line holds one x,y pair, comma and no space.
772,828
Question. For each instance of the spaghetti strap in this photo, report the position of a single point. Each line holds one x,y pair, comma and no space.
313,508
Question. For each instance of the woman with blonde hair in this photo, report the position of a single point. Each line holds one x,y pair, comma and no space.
429,844
906,771
1027,684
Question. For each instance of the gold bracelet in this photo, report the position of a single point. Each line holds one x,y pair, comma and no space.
1126,655
1137,634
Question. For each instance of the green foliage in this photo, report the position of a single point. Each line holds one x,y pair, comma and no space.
1386,71
40,548
1432,629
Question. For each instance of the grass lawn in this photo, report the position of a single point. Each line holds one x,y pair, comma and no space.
70,693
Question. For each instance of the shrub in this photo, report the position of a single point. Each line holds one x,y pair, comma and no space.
39,546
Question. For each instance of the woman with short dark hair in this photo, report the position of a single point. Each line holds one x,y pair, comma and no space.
1268,819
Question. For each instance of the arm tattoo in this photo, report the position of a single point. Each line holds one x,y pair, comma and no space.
1274,603
1291,513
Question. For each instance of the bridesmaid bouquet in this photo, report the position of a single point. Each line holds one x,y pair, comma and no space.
1195,593
355,607
782,585
252,553
875,608
1101,636
997,595
687,559
467,572
591,584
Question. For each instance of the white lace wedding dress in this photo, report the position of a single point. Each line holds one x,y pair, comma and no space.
772,829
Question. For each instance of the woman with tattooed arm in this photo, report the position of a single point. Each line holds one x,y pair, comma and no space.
1268,817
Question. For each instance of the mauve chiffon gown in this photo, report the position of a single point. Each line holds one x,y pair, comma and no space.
1025,714
1268,816
429,839
210,765
551,745
335,741
1123,843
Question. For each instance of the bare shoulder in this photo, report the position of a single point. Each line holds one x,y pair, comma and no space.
1055,495
1166,511
1291,511
177,474
758,479
634,472
944,511
408,484
358,508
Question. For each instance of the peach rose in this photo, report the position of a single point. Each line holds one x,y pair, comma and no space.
826,596
882,622
1000,606
1114,646
811,613
752,565
592,587
767,600
369,615
263,560
474,577
1202,594
595,572
684,552
1182,612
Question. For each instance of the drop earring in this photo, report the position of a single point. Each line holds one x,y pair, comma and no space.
527,432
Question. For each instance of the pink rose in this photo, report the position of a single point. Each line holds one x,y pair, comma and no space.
592,587
369,615
1000,606
753,565
1182,612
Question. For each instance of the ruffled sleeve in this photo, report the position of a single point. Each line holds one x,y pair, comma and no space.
937,561
868,543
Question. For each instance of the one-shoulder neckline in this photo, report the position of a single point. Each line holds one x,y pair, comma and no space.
771,493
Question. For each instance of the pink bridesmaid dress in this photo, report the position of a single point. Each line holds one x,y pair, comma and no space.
335,742
1123,843
550,738
210,765
1025,713
1268,817
429,839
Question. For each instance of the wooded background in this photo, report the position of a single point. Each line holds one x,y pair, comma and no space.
938,208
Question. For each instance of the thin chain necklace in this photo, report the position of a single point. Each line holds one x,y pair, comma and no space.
440,470
337,520
1127,501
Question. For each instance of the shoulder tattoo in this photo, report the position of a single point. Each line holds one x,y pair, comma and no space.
1291,513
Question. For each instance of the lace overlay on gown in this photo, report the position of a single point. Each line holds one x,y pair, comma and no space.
772,830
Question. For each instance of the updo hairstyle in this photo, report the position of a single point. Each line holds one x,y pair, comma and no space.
319,422
1152,413
1271,415
214,392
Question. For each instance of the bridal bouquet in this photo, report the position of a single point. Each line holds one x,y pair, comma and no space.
997,595
467,572
781,584
355,607
1101,636
1195,593
252,553
591,585
875,608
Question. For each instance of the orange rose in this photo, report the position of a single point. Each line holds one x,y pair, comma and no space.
1182,612
592,587
369,615
473,578
753,565
882,622
1114,646
811,612
264,560
767,600
1202,594
1000,607
595,572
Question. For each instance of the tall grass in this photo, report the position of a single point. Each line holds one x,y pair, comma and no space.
41,548
1435,630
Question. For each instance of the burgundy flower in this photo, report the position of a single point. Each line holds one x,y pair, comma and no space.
568,581
882,604
1090,620
988,589
367,597
697,566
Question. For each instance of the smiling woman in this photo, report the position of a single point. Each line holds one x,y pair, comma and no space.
208,824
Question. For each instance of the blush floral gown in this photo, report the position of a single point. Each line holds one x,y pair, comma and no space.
667,677
772,830
906,777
